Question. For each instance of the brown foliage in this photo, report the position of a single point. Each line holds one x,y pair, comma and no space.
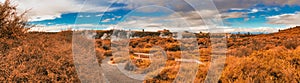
12,24
12,27
275,65
39,59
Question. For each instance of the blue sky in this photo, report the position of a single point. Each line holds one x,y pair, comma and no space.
237,15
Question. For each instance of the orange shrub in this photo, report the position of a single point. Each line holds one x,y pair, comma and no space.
173,47
263,66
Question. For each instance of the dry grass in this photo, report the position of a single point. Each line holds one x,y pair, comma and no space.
39,59
47,57
275,65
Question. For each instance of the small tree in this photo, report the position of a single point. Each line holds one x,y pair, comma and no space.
12,25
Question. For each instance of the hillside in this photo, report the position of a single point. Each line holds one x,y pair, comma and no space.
250,58
47,57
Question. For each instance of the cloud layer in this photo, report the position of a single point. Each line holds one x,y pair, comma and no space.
227,4
51,9
289,19
182,14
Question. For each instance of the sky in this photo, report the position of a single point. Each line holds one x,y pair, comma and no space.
153,15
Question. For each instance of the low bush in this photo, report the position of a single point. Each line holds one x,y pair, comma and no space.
12,24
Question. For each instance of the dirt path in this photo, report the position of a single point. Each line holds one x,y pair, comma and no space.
113,75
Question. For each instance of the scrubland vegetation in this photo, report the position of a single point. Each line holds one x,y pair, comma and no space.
32,57
47,57
250,58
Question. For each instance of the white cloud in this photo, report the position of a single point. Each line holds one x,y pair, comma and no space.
221,4
224,5
106,20
51,9
44,28
44,17
236,9
196,29
178,21
287,19
118,16
254,10
233,15
256,29
58,28
42,9
99,15
176,5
